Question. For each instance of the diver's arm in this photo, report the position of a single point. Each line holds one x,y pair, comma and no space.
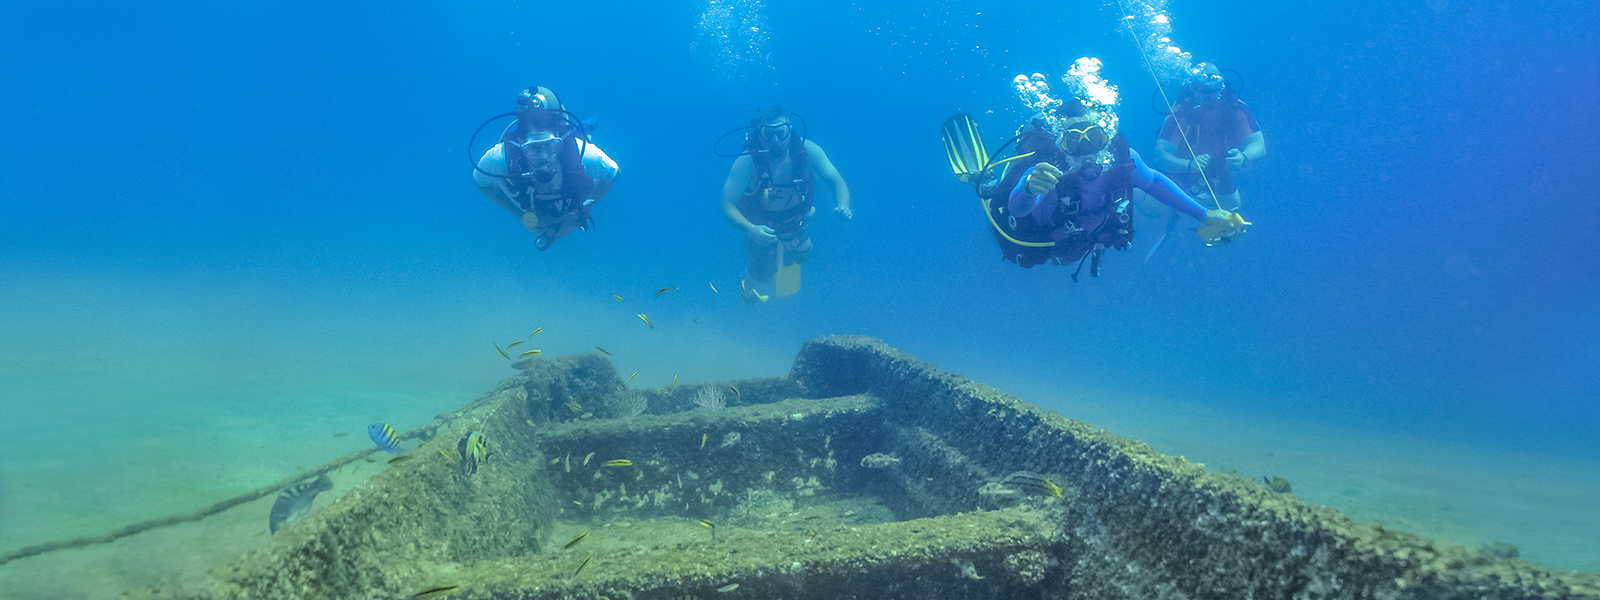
604,171
1255,147
841,192
1022,202
494,187
598,193
1162,188
1167,158
738,180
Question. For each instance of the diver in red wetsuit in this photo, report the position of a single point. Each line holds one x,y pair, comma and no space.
1209,131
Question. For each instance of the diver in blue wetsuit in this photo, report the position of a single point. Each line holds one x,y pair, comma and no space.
1072,203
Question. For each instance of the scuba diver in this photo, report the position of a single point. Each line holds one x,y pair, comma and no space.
769,196
1208,138
544,170
1072,202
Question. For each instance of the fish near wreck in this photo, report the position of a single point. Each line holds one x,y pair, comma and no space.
878,460
295,501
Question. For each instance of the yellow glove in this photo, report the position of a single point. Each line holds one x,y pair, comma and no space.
1043,178
531,221
1221,227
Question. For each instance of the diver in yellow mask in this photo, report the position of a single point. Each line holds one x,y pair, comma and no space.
1073,202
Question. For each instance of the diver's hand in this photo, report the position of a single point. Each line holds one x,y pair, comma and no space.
1043,178
1220,227
1199,163
761,235
844,211
531,221
1235,159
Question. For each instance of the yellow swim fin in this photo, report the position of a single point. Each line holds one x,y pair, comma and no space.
963,146
788,280
751,296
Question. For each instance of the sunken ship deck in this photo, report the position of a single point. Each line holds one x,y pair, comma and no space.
863,473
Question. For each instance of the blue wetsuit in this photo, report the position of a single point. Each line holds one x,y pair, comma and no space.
1043,206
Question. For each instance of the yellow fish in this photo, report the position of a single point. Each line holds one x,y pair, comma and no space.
552,461
713,287
575,540
401,458
474,449
530,353
735,391
586,459
647,320
709,525
502,352
674,381
536,332
574,406
447,455
635,374
703,438
621,462
513,344
585,564
662,291
616,297
602,351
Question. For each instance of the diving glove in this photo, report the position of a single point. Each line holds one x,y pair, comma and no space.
1043,178
1221,227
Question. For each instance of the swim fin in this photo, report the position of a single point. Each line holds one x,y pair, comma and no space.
788,277
788,280
1172,223
749,293
964,147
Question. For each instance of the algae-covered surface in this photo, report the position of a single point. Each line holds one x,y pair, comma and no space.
863,473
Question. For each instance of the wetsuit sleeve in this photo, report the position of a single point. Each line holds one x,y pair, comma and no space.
493,161
1162,188
597,165
1169,130
1022,203
1250,125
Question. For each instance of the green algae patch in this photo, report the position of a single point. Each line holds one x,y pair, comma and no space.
981,553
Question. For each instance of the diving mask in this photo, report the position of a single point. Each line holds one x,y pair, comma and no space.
1083,138
774,133
546,144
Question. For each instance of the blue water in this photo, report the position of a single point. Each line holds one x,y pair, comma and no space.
229,230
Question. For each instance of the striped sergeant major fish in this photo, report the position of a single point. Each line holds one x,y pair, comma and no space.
385,437
296,501
474,451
